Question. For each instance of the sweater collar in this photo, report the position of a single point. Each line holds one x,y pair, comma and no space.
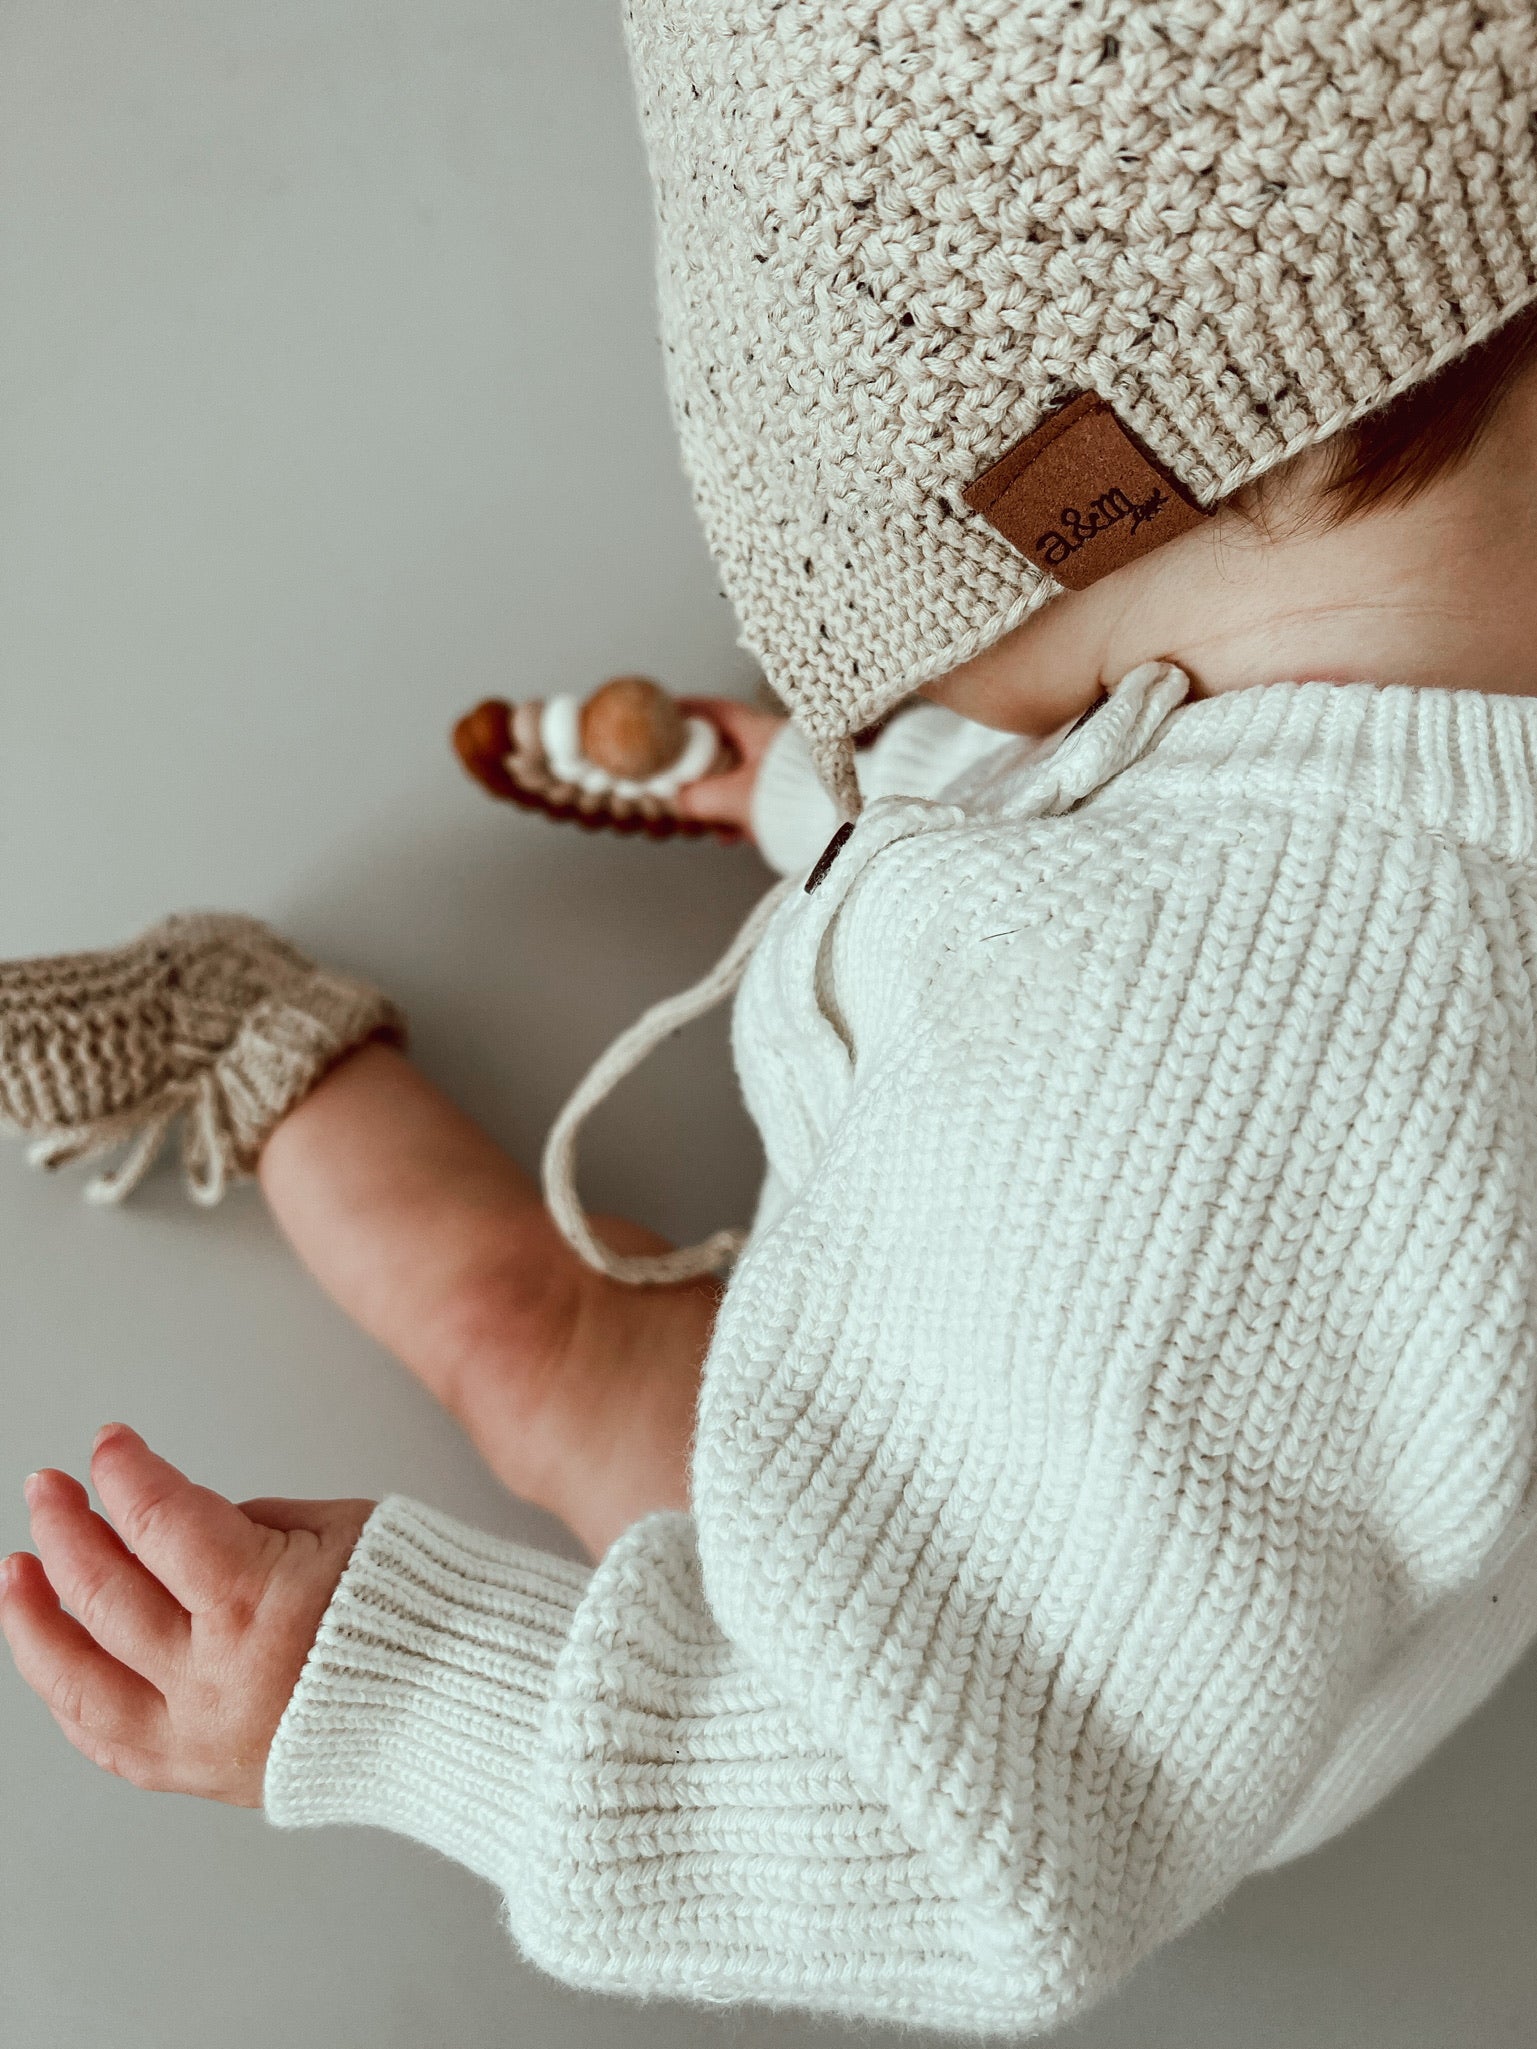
1458,762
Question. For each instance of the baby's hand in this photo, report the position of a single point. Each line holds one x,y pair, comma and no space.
727,799
197,1618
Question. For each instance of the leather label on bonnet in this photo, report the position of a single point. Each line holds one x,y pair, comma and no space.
1081,497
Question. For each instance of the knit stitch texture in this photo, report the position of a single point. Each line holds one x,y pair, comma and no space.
1114,1463
894,237
208,1017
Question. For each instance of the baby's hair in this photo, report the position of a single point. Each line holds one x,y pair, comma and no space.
1399,451
1395,454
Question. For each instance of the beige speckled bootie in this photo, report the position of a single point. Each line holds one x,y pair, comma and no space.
208,1017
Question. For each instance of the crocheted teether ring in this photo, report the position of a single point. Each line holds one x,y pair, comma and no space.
208,1018
615,761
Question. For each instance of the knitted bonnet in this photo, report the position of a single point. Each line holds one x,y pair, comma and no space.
899,241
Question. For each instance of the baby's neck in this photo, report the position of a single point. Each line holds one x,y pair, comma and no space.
1438,593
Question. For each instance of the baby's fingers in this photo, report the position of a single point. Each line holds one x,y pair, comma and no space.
110,1714
200,1546
93,1573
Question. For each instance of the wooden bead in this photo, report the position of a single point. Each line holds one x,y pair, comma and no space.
632,728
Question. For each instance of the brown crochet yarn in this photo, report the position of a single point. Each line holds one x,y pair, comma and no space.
207,1017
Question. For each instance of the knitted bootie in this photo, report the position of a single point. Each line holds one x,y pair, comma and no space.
209,1017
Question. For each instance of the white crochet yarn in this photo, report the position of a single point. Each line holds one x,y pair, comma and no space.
1114,1461
893,237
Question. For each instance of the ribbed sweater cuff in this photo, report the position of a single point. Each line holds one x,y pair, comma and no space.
792,816
422,1697
921,749
919,753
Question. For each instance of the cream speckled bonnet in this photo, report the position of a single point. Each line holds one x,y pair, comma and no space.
897,239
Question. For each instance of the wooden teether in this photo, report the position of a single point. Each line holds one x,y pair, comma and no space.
632,728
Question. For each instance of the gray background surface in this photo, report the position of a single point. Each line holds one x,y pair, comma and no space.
330,402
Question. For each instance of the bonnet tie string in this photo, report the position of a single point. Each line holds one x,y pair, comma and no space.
622,1058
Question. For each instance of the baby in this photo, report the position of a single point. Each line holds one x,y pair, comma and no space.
1108,1467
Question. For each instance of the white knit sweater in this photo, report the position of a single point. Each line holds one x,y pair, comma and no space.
1115,1456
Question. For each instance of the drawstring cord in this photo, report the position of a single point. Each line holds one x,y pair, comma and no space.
622,1058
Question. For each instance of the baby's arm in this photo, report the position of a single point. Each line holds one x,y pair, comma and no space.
577,1391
